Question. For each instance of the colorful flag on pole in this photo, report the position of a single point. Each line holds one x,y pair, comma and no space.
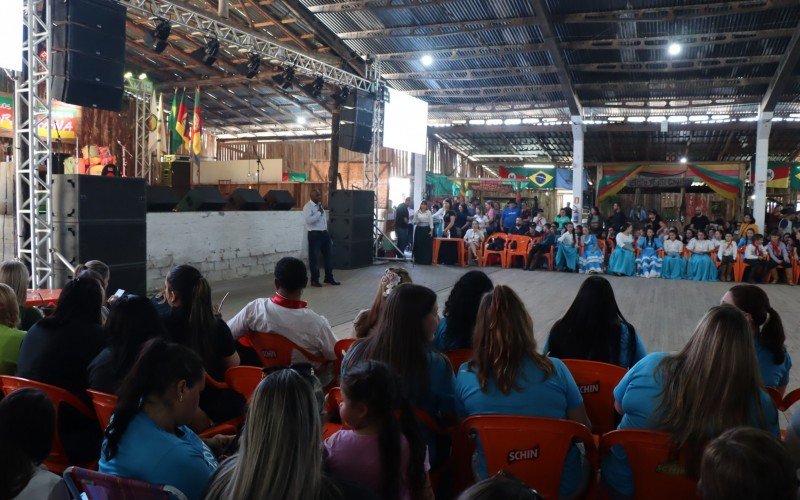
152,126
176,137
197,126
162,146
180,124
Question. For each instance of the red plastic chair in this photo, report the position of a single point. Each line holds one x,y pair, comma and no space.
522,246
533,449
57,461
340,348
458,357
92,485
276,350
104,405
791,398
656,473
331,406
501,254
244,379
596,382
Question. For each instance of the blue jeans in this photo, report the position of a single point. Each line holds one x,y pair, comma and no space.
320,242
402,238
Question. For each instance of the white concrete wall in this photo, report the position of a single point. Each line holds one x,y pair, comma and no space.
222,245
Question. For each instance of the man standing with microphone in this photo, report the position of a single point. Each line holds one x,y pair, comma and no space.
319,241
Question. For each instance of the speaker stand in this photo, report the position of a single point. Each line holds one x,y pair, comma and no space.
399,252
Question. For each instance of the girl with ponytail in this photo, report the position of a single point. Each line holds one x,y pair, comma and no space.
192,321
773,360
383,449
148,438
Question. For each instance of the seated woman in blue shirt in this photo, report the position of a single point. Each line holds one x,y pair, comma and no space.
594,329
455,329
403,340
509,377
711,385
773,360
148,438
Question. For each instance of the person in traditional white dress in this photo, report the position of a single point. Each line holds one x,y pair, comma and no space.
673,265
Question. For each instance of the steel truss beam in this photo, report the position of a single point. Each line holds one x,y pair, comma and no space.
486,91
469,74
662,42
673,66
33,153
462,53
189,19
675,13
440,29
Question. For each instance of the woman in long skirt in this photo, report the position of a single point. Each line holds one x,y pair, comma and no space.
701,265
423,235
623,261
673,265
591,259
648,263
567,252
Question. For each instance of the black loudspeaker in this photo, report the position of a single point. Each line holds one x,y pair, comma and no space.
202,199
356,115
89,53
351,203
82,198
58,162
114,242
247,199
356,228
161,199
129,277
352,254
279,199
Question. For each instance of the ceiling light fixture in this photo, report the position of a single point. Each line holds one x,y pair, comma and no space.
253,66
156,39
285,78
684,159
674,49
426,60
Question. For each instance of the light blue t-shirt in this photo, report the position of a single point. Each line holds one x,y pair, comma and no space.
149,453
552,397
638,394
773,375
624,352
444,342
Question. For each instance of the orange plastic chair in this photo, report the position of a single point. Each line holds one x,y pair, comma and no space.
656,474
57,461
331,405
795,271
92,485
458,357
460,248
487,252
791,398
523,246
551,258
104,405
533,449
739,266
276,350
244,379
340,348
596,382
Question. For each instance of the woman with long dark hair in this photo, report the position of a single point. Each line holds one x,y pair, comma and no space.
148,437
773,360
593,328
508,376
132,321
403,341
192,321
711,385
456,327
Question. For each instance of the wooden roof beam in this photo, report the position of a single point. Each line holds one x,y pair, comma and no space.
672,66
469,74
440,29
784,74
485,91
660,14
362,5
557,57
662,42
462,53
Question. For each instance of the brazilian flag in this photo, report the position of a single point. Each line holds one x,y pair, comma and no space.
542,179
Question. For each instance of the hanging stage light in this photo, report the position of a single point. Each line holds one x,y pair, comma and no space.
208,55
284,79
253,66
341,96
314,89
156,39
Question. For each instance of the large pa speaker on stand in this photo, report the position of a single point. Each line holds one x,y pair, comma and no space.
355,126
352,228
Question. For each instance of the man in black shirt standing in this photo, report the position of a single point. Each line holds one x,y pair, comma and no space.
401,224
617,219
699,221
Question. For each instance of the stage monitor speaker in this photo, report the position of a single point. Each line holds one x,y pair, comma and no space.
113,242
352,254
246,199
202,199
356,115
82,198
161,199
357,228
350,202
279,199
129,277
58,162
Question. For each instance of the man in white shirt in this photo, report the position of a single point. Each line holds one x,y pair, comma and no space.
319,241
285,314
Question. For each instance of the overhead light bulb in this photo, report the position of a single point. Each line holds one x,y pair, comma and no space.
427,60
684,159
143,76
128,75
674,49
301,120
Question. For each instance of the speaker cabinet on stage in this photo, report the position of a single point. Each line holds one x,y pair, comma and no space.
348,202
356,115
279,199
351,254
89,53
357,228
111,241
202,199
80,198
177,175
246,199
161,199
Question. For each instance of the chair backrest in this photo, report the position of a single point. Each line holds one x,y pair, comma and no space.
244,379
276,350
502,237
523,245
340,348
597,381
791,398
533,449
458,357
777,398
104,405
657,474
91,485
57,461
602,245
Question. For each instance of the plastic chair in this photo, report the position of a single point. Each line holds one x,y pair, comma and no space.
244,379
596,382
340,348
91,485
657,475
276,350
458,357
460,248
523,246
533,449
331,406
57,461
739,265
104,405
488,252
791,398
550,257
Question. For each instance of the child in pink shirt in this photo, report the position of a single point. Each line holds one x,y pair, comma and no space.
380,451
